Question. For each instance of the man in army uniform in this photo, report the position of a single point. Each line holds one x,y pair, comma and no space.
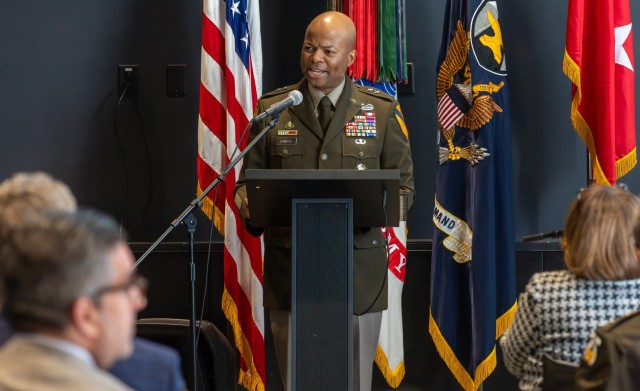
338,125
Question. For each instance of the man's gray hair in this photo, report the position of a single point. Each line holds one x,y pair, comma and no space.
51,262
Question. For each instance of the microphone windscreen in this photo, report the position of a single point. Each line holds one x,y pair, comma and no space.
296,97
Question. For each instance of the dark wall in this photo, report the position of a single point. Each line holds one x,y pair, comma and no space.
58,111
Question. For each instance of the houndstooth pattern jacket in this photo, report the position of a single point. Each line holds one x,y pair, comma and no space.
556,315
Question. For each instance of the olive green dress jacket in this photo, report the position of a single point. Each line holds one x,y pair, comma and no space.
297,142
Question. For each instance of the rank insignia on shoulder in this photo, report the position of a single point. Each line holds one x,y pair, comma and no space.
281,89
287,132
372,90
289,125
366,107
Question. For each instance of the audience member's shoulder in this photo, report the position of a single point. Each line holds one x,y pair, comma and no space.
151,367
554,277
611,359
161,352
6,331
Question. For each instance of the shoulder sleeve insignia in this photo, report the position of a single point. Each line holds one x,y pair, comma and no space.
591,352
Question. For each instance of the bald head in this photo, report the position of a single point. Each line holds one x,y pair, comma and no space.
328,50
337,22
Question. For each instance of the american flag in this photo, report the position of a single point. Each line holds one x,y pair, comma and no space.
451,108
230,84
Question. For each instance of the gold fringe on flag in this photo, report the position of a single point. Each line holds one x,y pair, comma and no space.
572,70
624,164
392,376
504,321
208,209
251,381
485,368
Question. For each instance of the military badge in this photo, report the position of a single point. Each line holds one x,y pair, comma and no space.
366,107
288,132
288,125
362,125
591,352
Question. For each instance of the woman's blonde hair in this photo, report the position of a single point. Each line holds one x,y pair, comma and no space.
598,234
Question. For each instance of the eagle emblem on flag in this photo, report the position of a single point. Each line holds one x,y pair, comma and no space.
460,103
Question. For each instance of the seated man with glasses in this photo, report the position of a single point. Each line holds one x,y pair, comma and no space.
69,294
26,196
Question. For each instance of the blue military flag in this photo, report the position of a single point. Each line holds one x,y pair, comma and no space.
473,297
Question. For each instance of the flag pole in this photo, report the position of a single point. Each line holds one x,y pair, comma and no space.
590,179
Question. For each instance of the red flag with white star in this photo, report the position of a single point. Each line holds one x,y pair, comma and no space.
599,61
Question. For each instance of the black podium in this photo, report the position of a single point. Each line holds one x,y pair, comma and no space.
322,207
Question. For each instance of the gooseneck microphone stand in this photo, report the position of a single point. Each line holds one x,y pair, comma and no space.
188,219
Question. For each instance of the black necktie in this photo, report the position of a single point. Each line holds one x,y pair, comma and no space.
324,113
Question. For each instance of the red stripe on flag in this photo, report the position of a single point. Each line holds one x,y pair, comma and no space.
228,93
213,41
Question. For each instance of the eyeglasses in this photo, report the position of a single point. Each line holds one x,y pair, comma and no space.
136,284
621,186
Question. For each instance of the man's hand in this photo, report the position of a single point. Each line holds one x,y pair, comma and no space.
244,208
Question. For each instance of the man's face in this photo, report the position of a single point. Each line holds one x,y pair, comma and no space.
325,56
118,308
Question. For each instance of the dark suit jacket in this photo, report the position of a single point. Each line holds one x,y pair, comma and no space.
307,148
6,331
151,367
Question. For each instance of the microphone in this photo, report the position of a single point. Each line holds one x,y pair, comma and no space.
550,234
294,99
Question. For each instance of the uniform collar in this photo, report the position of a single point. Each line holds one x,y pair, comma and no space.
334,95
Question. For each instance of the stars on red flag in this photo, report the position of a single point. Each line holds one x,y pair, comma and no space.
621,34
